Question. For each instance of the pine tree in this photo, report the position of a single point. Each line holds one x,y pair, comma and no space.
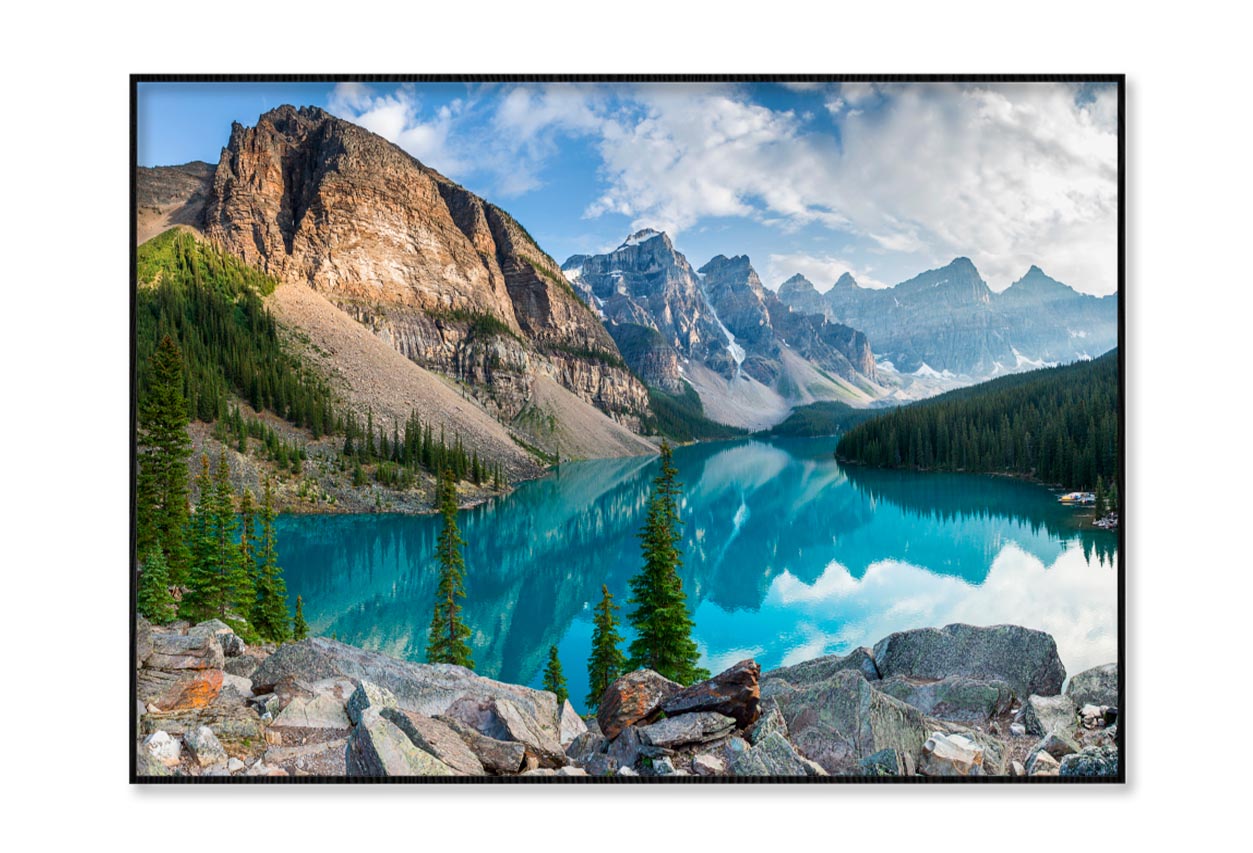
661,620
446,641
607,661
204,581
269,609
554,681
299,628
163,447
153,599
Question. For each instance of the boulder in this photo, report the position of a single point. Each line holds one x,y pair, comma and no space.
232,645
951,755
663,767
1017,729
818,670
1097,716
314,720
244,665
497,756
368,695
958,697
1017,768
436,738
175,651
234,722
626,772
685,729
143,640
1091,761
377,747
234,765
241,686
774,756
1095,686
842,720
426,689
887,762
1040,763
1057,744
193,689
733,693
570,725
163,748
585,746
503,719
708,764
1023,658
771,720
146,764
633,698
205,749
625,749
1043,714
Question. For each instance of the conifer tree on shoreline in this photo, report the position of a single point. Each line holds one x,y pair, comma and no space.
269,611
163,447
554,680
446,640
660,617
607,661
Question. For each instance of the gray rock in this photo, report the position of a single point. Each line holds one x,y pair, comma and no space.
368,695
1091,761
325,758
204,747
624,750
438,739
377,747
146,764
771,720
774,756
1057,744
1040,763
708,764
663,767
1017,729
1095,686
570,725
232,645
571,771
242,686
958,698
175,651
700,727
1023,658
1016,768
626,771
1043,714
584,747
234,765
885,762
497,756
244,665
818,670
426,689
503,719
951,755
162,747
320,712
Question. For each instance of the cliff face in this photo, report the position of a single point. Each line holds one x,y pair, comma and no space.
449,280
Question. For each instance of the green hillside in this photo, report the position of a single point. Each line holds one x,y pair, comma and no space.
1058,425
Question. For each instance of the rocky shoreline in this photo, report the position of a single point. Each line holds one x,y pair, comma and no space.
959,701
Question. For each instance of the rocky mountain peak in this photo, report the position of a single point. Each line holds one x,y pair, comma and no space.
645,235
846,280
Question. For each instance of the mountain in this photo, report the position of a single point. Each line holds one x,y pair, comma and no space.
799,294
720,332
948,322
443,277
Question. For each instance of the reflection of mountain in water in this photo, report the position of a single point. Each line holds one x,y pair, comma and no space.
752,510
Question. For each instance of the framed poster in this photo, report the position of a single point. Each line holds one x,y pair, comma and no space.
627,429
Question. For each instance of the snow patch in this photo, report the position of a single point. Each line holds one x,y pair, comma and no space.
931,373
639,237
1024,361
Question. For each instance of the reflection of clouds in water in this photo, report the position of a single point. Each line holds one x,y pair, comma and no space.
743,469
1072,600
725,660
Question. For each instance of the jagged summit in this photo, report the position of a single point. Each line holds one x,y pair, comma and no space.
847,280
643,236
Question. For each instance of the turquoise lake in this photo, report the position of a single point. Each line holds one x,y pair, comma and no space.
787,556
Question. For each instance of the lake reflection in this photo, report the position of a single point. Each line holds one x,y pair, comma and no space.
787,556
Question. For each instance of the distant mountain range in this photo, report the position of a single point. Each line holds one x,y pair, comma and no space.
717,329
948,320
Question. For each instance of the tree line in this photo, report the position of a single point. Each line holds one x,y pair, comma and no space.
218,561
210,304
659,613
1057,425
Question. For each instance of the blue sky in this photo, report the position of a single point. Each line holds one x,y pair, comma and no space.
880,180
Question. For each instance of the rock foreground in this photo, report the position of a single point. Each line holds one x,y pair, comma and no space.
207,705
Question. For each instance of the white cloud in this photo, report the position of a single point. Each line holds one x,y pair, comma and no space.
395,117
822,270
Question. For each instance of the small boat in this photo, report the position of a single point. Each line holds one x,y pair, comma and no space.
1078,498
